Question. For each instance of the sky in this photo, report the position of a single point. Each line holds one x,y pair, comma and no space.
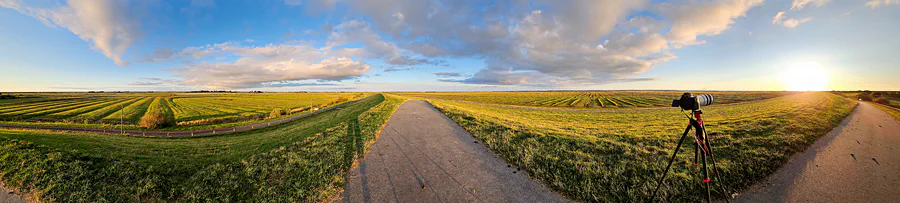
448,45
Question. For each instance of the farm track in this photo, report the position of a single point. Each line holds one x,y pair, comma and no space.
423,156
141,133
7,197
856,162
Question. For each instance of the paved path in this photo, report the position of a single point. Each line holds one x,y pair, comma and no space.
8,197
423,156
141,133
857,162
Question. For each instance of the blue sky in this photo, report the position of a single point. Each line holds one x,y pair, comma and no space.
419,45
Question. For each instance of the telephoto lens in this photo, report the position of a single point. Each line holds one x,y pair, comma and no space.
705,99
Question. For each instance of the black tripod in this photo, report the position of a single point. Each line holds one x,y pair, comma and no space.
701,151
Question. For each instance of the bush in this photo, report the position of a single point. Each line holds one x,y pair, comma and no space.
865,97
155,120
277,113
883,101
158,115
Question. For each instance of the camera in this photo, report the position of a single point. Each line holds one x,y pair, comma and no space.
690,102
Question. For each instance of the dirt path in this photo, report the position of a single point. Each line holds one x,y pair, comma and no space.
9,197
423,156
141,133
857,162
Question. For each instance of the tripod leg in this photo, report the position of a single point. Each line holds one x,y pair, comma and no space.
696,154
719,181
666,172
706,179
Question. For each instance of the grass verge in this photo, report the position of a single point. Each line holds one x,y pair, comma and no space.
302,161
618,156
894,112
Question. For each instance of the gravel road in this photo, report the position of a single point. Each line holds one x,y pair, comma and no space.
423,156
858,161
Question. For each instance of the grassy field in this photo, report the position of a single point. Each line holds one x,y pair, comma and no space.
601,156
301,161
188,109
600,99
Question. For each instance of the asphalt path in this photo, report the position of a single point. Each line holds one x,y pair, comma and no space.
859,161
8,197
142,133
423,156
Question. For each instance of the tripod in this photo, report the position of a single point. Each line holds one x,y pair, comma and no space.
702,150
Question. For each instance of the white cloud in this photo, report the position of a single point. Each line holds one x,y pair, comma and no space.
544,42
791,23
796,5
780,19
877,3
258,66
589,20
375,47
446,74
799,4
693,18
106,24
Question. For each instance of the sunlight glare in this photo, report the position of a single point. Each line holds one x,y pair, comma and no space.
805,76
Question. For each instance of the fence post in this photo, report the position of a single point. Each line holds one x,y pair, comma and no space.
234,129
192,133
214,132
144,134
167,134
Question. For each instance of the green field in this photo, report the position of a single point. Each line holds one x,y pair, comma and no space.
188,109
616,156
594,99
301,161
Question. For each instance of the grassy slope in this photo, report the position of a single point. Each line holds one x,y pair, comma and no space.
616,157
300,161
894,112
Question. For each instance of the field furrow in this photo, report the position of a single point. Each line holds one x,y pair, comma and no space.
85,109
130,113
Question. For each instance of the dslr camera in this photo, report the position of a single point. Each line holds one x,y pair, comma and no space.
690,102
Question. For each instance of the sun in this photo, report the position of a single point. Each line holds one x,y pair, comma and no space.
805,76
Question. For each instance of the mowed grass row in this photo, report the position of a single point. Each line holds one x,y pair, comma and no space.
606,99
102,112
189,109
301,161
129,113
617,156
